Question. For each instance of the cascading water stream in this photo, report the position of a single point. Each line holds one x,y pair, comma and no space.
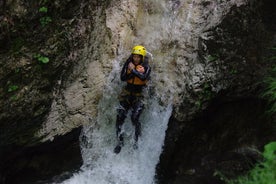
171,29
101,164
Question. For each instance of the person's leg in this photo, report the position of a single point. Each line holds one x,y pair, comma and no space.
137,110
121,116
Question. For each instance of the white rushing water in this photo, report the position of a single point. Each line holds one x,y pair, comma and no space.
171,30
101,164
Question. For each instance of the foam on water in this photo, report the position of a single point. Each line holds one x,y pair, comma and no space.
130,166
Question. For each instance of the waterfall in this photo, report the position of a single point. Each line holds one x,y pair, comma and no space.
101,164
171,30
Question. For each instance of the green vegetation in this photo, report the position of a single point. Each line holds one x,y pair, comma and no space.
263,173
45,19
270,91
234,71
14,98
204,95
17,44
42,59
272,58
43,9
17,70
198,104
211,58
12,88
270,81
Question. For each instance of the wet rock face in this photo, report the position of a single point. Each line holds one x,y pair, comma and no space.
39,46
231,55
42,49
65,75
230,133
227,137
56,58
47,163
33,58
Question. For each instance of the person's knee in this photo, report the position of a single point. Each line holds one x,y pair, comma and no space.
137,130
135,117
121,115
136,114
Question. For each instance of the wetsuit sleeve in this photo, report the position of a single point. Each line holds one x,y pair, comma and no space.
124,74
143,76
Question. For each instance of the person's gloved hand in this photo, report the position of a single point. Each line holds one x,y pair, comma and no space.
131,66
140,68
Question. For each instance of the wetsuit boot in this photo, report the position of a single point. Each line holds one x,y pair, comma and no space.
119,123
135,121
120,138
137,134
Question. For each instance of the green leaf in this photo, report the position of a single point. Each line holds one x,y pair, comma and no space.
269,151
13,97
43,59
17,70
36,56
12,88
212,58
45,20
272,58
43,9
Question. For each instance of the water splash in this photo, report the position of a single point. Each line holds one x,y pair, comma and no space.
101,164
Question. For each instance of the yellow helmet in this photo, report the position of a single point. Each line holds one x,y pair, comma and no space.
140,50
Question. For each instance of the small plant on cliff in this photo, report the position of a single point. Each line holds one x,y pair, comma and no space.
211,58
272,58
45,19
43,9
41,59
270,91
12,88
204,95
270,81
263,173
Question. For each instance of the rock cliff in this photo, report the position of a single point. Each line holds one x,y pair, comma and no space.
209,58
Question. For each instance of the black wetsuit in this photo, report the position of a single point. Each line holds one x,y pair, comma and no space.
131,98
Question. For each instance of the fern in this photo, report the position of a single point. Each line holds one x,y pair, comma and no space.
265,172
270,92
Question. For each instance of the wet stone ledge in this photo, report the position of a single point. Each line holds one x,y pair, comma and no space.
47,162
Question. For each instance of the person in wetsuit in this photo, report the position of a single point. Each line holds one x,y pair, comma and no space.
136,73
